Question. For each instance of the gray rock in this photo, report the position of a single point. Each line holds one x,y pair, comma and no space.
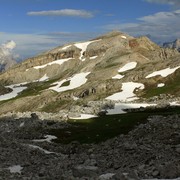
34,116
177,148
85,171
106,176
125,176
155,173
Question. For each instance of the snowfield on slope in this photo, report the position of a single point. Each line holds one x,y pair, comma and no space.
44,78
59,62
66,47
83,46
126,95
163,72
127,67
118,76
76,81
16,89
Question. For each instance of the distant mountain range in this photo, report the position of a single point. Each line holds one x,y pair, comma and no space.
175,44
114,67
6,57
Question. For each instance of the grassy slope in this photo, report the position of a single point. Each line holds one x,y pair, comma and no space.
172,86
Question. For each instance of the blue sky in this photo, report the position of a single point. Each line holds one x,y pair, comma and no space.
37,25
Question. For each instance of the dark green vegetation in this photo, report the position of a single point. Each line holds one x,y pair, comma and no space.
36,87
4,90
33,89
67,83
53,106
102,128
172,86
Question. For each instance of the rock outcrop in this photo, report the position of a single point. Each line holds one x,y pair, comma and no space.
174,45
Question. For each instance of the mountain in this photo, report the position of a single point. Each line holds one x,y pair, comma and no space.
175,44
88,77
6,57
111,74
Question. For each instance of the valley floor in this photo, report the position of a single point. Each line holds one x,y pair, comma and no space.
149,151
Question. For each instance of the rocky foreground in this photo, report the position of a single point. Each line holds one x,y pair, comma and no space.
150,151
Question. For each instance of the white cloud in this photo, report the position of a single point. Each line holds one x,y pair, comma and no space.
63,12
7,50
28,44
162,26
162,17
171,2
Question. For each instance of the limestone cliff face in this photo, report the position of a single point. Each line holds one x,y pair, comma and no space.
101,58
174,45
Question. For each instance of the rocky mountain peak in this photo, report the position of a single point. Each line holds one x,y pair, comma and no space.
79,56
174,45
114,34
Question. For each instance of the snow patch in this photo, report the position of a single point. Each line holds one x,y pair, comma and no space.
66,47
76,81
127,92
41,149
161,85
59,62
119,107
17,88
84,116
163,72
15,169
83,46
175,103
124,37
44,78
128,66
48,139
118,76
75,98
93,57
